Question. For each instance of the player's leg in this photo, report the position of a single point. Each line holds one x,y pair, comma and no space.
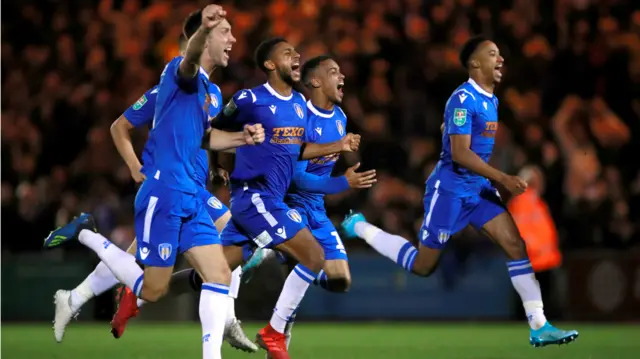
202,248
492,218
442,218
335,276
68,303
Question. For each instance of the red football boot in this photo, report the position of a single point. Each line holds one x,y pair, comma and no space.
273,342
127,309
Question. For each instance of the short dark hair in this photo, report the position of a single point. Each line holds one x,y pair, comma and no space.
469,48
192,24
263,51
311,65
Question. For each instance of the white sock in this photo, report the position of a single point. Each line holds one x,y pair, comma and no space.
234,288
391,246
122,264
525,283
213,312
96,283
291,296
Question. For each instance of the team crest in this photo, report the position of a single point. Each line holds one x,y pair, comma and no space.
340,127
164,250
294,215
214,101
215,203
299,110
443,236
141,101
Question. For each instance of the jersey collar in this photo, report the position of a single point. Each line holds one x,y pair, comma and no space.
202,71
277,95
479,89
318,112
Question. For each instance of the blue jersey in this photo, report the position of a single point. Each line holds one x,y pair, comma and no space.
182,114
324,127
141,114
269,167
469,111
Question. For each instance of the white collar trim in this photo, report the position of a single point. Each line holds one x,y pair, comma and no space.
479,89
318,113
274,93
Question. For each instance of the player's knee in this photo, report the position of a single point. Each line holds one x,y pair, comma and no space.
152,293
423,269
221,274
339,284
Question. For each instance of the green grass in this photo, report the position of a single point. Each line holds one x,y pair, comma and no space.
334,341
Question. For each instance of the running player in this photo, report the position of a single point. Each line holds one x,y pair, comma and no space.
459,192
169,213
262,177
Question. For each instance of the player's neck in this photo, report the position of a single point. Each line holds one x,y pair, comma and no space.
321,101
485,84
279,86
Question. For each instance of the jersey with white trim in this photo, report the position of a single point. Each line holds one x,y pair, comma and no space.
469,111
267,168
183,110
324,127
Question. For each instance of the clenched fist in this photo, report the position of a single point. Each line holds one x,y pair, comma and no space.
212,15
254,134
350,142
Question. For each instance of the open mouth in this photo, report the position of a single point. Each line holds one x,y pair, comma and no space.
295,67
340,87
227,51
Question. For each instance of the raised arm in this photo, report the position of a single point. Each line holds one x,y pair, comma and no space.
212,15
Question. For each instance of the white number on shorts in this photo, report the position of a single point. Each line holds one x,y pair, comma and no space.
340,246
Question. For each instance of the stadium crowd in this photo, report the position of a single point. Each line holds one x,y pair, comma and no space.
570,101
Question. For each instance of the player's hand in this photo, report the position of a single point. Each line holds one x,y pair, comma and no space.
364,179
212,15
350,142
220,174
515,185
137,175
254,134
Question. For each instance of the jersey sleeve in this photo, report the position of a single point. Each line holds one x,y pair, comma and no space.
170,76
459,114
142,111
234,114
306,181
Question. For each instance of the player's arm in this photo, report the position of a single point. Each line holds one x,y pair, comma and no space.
212,15
218,140
138,114
349,143
331,185
459,126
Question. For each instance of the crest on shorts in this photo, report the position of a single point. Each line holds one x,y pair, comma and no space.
443,236
164,250
215,203
294,215
141,101
340,127
299,110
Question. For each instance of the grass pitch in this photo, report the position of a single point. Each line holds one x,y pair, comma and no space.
332,340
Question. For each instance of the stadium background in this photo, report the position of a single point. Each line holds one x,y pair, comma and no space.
69,68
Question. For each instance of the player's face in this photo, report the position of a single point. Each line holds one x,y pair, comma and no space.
490,61
331,80
287,62
219,43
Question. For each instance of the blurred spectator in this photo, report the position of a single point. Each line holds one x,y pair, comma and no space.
570,100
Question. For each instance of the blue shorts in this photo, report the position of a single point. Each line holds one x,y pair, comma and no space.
215,208
324,232
261,221
447,213
169,221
